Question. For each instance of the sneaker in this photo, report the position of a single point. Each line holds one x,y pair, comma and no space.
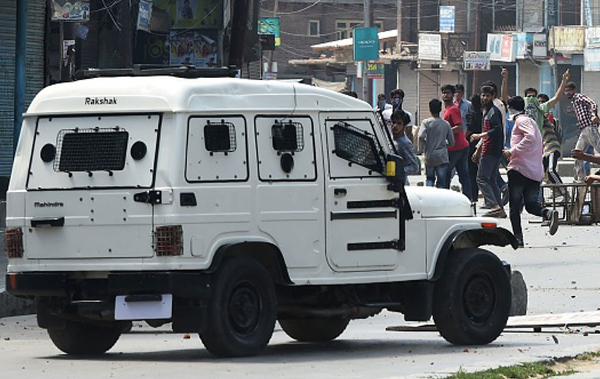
553,218
497,213
520,242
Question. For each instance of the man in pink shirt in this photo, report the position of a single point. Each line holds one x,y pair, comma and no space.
458,154
525,169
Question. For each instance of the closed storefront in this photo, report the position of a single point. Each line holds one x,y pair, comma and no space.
34,64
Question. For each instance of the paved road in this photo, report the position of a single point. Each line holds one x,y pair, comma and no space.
561,273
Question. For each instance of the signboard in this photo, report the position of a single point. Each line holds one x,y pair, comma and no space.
447,17
501,47
366,44
476,61
144,15
375,70
540,45
65,10
592,37
567,39
430,47
530,45
194,47
270,25
191,14
551,13
591,59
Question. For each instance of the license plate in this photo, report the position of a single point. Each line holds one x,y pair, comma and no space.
128,308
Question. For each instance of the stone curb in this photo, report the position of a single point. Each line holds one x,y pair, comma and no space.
14,306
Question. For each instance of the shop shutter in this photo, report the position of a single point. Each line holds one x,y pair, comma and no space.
34,69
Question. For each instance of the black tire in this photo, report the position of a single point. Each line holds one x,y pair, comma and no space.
242,309
314,329
471,301
85,338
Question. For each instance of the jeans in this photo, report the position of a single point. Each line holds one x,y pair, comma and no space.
588,136
525,190
459,160
550,162
487,177
441,172
473,176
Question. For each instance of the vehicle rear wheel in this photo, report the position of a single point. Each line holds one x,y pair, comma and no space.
242,309
79,338
471,300
314,329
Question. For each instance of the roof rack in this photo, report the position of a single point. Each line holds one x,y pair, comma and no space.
185,71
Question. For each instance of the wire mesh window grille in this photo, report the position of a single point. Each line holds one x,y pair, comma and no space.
219,137
14,242
168,240
91,149
288,136
357,146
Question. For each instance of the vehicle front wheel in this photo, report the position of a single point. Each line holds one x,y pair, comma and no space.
314,329
79,338
242,309
471,300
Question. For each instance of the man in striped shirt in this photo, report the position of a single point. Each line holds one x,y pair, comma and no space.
586,111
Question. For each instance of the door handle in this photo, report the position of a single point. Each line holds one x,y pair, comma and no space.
47,221
340,191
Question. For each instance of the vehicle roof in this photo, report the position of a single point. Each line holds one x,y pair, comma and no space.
172,94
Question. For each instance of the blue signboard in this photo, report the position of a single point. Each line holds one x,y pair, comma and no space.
366,44
447,16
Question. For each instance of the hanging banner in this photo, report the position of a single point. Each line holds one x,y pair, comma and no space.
193,47
65,10
568,39
447,18
591,59
501,47
144,15
270,25
476,61
430,47
366,44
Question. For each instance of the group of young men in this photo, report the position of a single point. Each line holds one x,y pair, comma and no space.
470,138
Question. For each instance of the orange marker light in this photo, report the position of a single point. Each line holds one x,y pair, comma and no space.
488,224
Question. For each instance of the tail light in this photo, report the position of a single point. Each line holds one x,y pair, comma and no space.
168,240
14,243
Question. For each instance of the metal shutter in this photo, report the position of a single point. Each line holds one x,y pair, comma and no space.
36,12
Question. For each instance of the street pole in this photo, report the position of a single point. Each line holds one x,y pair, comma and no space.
270,64
368,20
399,26
20,78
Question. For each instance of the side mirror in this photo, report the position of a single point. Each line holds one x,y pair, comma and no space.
394,172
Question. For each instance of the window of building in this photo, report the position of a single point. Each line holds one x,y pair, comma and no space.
344,28
314,28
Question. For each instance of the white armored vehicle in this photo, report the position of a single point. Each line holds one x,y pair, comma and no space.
221,205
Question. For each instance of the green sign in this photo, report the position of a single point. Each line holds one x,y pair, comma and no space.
366,44
375,70
270,25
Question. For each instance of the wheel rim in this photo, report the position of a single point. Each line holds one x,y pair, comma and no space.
244,308
479,298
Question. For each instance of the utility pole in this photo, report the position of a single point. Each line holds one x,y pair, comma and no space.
20,77
399,26
275,10
367,86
